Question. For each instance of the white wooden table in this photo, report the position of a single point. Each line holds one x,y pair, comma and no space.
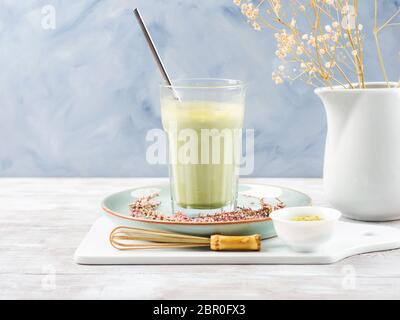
42,221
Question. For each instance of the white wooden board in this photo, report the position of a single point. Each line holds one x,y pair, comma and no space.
350,239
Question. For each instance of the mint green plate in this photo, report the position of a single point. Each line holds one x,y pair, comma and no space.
116,207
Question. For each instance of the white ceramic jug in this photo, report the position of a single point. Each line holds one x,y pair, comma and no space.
362,152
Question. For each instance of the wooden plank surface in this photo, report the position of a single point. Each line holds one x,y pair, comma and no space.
42,221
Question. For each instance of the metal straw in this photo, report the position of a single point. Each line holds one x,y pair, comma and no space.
154,51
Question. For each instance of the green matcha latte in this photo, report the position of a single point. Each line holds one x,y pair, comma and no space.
204,144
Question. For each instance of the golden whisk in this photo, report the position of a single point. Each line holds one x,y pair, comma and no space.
125,238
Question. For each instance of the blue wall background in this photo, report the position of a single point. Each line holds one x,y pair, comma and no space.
78,100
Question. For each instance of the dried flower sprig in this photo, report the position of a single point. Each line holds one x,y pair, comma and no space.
146,207
376,31
329,53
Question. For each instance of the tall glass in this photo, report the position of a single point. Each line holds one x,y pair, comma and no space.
203,119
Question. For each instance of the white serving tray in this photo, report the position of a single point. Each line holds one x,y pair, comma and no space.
350,239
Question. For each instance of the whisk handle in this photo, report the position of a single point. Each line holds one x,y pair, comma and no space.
225,243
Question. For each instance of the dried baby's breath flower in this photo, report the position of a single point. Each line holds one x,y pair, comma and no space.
277,78
285,43
249,11
276,6
329,52
345,9
311,41
299,51
256,25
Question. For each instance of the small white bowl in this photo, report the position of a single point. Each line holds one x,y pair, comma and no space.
305,236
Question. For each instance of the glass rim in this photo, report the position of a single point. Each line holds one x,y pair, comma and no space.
219,83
